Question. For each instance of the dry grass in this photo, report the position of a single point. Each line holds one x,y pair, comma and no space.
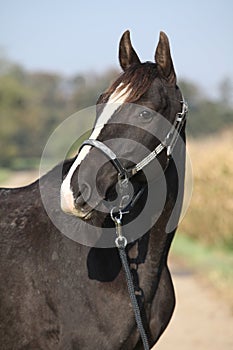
210,215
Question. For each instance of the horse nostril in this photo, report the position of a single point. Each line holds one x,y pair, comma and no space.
79,201
83,195
86,191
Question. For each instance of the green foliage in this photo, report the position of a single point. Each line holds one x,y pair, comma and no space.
4,173
206,116
212,262
32,104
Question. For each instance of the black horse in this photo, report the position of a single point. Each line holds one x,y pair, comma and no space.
56,293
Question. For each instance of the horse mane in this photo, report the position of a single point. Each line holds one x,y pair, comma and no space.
138,78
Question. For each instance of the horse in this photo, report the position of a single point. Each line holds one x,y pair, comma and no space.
58,293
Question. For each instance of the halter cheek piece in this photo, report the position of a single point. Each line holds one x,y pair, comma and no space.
169,143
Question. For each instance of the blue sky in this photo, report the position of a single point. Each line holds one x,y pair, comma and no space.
78,36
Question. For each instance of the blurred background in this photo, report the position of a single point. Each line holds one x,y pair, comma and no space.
56,57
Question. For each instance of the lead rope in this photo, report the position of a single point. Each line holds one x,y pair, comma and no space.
121,243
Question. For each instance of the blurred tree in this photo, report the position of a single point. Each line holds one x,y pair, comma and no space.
32,104
86,91
191,92
226,91
206,116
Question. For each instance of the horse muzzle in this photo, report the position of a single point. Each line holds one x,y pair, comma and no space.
76,205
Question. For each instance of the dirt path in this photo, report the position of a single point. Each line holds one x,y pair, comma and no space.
202,321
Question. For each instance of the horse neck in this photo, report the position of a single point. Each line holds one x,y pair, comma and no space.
158,239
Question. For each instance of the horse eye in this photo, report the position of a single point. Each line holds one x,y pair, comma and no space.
146,116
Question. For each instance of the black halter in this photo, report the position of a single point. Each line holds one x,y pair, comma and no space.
168,143
124,206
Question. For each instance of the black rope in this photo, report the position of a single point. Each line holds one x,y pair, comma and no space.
133,298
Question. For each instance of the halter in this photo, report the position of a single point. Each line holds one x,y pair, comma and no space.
116,212
169,143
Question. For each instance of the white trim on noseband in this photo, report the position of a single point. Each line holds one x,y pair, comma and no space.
117,98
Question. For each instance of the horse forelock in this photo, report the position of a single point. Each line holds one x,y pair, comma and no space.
136,80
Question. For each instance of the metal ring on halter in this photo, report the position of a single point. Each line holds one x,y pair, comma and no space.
114,218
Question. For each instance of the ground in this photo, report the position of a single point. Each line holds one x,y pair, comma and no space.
202,320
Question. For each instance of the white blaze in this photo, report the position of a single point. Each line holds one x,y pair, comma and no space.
117,98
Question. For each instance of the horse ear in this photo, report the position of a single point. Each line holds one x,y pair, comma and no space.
127,54
164,60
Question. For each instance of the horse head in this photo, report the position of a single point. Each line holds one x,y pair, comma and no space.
133,118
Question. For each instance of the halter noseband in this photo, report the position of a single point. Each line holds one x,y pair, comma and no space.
169,143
